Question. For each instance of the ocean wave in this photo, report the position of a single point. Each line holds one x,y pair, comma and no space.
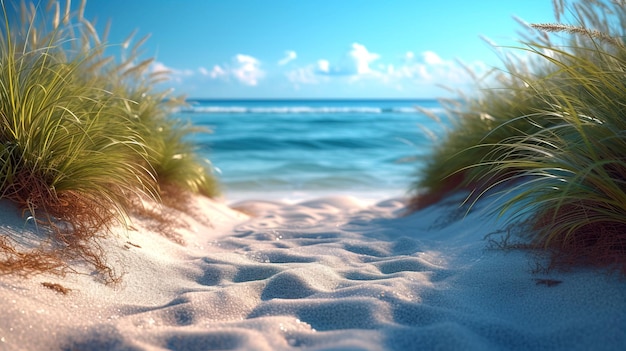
303,110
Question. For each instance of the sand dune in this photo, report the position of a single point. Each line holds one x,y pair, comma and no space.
332,273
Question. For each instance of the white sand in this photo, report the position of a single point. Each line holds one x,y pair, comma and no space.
325,274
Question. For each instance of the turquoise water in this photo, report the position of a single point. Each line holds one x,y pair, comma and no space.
301,149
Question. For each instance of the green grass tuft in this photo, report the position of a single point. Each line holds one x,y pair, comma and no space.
556,125
82,135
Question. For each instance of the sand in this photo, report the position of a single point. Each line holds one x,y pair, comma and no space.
332,273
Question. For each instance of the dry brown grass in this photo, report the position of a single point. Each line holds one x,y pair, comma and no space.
75,224
160,219
165,217
599,244
26,263
73,221
56,287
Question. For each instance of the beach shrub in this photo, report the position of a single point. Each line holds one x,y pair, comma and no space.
561,136
82,135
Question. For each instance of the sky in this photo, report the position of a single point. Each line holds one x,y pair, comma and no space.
318,48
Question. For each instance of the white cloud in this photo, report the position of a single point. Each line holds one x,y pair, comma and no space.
362,58
431,58
355,63
289,56
411,70
431,69
245,59
217,72
247,70
357,69
243,68
323,66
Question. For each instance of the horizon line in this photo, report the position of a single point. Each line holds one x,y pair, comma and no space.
309,99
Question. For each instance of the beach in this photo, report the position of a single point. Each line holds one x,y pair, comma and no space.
273,218
333,273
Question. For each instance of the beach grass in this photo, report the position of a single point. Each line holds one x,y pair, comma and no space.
82,134
554,128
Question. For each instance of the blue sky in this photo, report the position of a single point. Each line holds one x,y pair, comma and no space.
318,49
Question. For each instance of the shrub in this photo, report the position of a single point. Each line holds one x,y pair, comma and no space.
81,135
561,134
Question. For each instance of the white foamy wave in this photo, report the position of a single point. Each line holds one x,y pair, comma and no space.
215,109
297,110
404,110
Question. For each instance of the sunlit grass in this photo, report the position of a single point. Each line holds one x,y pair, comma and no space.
558,129
83,134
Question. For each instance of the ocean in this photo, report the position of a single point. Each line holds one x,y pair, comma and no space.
292,150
